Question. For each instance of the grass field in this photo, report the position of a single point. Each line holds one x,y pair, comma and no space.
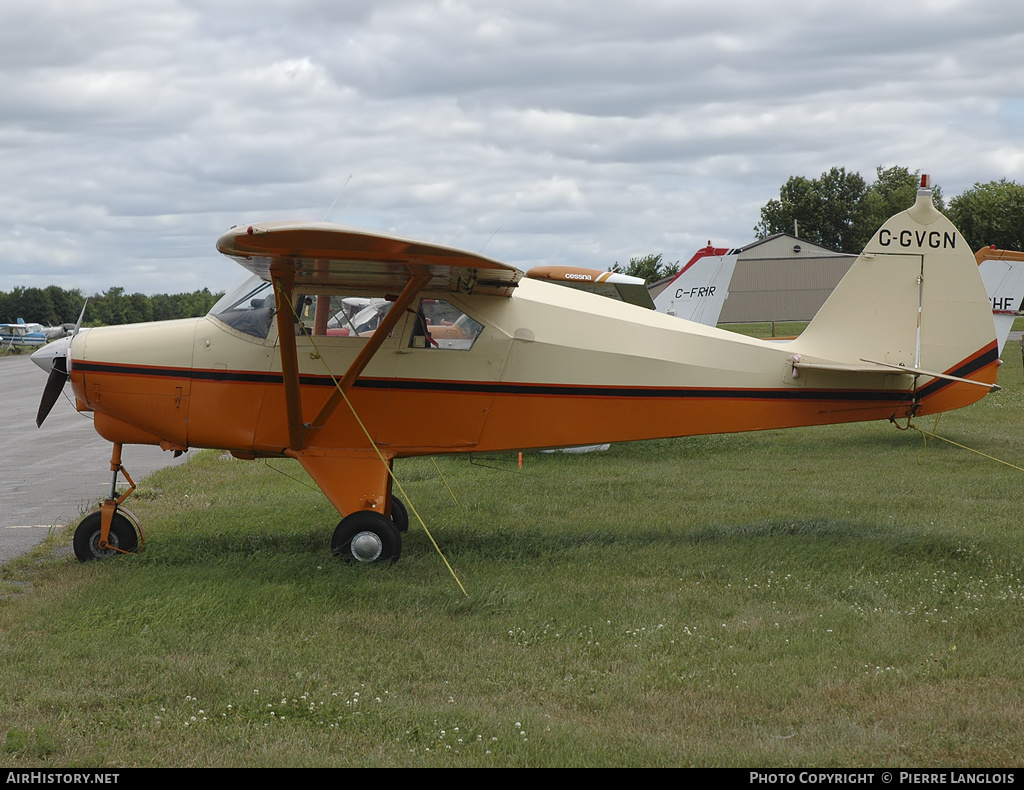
842,596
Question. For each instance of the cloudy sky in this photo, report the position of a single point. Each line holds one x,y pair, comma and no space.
134,132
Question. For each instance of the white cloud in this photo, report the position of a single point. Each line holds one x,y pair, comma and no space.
133,134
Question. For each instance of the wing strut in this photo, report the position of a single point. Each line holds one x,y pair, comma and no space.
388,323
284,283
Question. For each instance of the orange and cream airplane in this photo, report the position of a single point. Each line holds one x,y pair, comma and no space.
475,356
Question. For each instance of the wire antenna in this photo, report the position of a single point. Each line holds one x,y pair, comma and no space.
337,197
459,233
490,237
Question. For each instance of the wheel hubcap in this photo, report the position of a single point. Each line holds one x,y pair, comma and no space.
366,546
94,545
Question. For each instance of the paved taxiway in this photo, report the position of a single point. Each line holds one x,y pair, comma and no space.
51,475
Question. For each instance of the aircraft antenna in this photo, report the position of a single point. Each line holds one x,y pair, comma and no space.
337,197
489,238
459,233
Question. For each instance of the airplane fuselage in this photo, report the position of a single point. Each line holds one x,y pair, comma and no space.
551,367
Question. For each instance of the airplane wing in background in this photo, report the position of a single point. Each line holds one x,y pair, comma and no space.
612,284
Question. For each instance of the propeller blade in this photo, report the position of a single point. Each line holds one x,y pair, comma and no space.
54,385
81,315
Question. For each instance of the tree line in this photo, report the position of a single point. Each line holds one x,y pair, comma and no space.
54,305
842,211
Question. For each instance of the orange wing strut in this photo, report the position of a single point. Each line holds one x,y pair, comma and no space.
395,314
284,283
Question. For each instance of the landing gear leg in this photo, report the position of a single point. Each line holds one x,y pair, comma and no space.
111,529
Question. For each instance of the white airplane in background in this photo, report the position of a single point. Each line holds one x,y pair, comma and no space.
22,334
700,289
1002,271
34,334
696,293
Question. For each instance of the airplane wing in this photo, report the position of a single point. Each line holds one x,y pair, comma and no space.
325,258
613,284
324,254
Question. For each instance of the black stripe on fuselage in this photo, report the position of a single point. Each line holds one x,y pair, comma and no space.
501,388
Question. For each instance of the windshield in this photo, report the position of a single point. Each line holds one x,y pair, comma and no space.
248,308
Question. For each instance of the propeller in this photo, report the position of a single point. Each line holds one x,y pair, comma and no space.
57,354
54,386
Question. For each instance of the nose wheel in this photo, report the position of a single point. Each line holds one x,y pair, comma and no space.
92,540
89,546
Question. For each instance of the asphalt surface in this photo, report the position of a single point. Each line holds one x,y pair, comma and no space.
53,474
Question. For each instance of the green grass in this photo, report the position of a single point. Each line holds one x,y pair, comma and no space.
841,596
768,328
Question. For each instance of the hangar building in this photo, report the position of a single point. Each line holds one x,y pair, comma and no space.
782,278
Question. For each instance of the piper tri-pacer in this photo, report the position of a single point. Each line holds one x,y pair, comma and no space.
471,355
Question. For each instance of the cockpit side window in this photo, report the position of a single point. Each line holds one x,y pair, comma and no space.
355,316
440,324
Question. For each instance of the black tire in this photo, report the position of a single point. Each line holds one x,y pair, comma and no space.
399,515
87,537
366,536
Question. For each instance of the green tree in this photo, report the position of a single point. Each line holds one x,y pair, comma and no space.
54,305
991,213
650,267
108,308
894,190
10,304
66,304
140,309
827,210
839,210
32,304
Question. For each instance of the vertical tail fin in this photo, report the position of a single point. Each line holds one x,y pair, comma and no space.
1002,271
699,290
913,298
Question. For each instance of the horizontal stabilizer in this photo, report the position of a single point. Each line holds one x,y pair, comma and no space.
886,367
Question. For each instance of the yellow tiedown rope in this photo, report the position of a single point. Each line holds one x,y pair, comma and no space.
925,434
445,481
380,455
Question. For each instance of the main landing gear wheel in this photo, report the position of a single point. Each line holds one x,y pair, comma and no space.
366,536
399,515
87,537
